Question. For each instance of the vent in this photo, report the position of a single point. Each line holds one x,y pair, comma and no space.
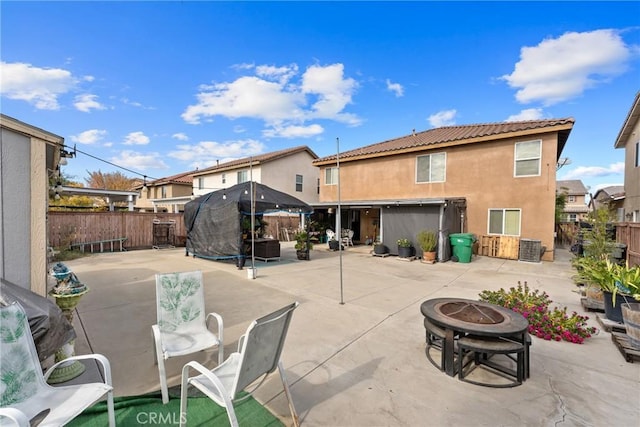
530,250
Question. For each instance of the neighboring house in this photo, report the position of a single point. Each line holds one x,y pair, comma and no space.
576,208
611,197
629,139
29,158
496,179
167,194
290,171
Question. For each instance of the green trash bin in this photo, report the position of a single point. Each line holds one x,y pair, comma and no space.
462,244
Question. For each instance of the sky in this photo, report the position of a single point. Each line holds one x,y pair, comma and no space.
160,88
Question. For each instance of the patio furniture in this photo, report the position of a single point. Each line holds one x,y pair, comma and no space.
347,237
483,349
258,355
24,388
459,317
435,338
182,327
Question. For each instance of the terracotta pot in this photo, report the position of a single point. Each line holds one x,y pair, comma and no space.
631,317
429,257
595,297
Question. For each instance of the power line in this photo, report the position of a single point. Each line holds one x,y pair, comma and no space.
110,163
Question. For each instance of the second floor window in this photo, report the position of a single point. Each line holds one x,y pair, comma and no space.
243,176
299,183
637,163
331,176
527,158
224,178
431,168
504,221
200,183
164,192
571,199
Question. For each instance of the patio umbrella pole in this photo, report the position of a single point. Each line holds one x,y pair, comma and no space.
339,227
253,218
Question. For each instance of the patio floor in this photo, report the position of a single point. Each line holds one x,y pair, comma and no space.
354,354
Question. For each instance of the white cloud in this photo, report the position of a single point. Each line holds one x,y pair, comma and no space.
90,136
562,68
136,138
139,161
293,131
87,102
40,87
594,171
276,97
443,118
180,136
206,153
528,114
396,88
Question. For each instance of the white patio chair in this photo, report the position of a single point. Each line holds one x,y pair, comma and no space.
182,327
24,392
347,240
330,235
258,355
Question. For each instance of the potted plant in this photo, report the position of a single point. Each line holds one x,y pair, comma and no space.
303,245
379,248
618,282
405,248
428,241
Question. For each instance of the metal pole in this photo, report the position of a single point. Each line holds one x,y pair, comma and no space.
253,217
339,220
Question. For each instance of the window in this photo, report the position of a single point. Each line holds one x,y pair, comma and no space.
431,168
527,158
243,176
504,221
331,176
164,192
572,218
318,186
200,183
637,154
571,199
224,178
299,183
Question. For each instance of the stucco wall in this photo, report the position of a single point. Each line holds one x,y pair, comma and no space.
281,175
482,173
632,173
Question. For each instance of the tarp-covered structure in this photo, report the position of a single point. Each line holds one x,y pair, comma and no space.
214,220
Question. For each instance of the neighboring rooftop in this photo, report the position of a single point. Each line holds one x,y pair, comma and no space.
572,187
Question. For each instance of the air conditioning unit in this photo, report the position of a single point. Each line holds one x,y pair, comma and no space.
530,250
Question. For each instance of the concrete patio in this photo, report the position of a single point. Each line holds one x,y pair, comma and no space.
361,363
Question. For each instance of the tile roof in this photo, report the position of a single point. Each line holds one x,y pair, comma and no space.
457,135
629,123
572,187
256,160
184,178
611,192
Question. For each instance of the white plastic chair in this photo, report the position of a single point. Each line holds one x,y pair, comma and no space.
348,239
258,355
330,235
182,327
24,392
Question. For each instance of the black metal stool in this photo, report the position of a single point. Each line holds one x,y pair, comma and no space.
483,348
435,338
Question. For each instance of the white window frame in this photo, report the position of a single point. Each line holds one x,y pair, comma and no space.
504,210
431,178
571,199
243,176
331,176
224,178
572,217
299,182
516,159
200,183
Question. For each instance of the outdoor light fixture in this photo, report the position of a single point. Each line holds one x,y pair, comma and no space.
224,196
144,183
64,155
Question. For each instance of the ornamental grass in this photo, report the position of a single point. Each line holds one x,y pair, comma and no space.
544,322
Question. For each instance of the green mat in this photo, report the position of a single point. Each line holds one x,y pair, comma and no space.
149,410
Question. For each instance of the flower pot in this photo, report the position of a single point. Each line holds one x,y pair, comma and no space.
614,312
429,257
595,297
302,255
404,252
631,317
380,249
334,245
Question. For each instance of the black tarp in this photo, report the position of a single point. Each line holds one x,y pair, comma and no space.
50,329
214,220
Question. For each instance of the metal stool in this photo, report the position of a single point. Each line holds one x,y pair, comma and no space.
483,348
435,338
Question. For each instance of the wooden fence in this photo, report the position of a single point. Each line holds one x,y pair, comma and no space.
628,233
67,228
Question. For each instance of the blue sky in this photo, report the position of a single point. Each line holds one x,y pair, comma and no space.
160,88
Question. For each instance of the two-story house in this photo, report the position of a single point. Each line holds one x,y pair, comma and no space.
576,208
495,179
167,194
290,171
611,197
629,139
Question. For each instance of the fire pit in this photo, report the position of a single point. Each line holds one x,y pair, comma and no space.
459,317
